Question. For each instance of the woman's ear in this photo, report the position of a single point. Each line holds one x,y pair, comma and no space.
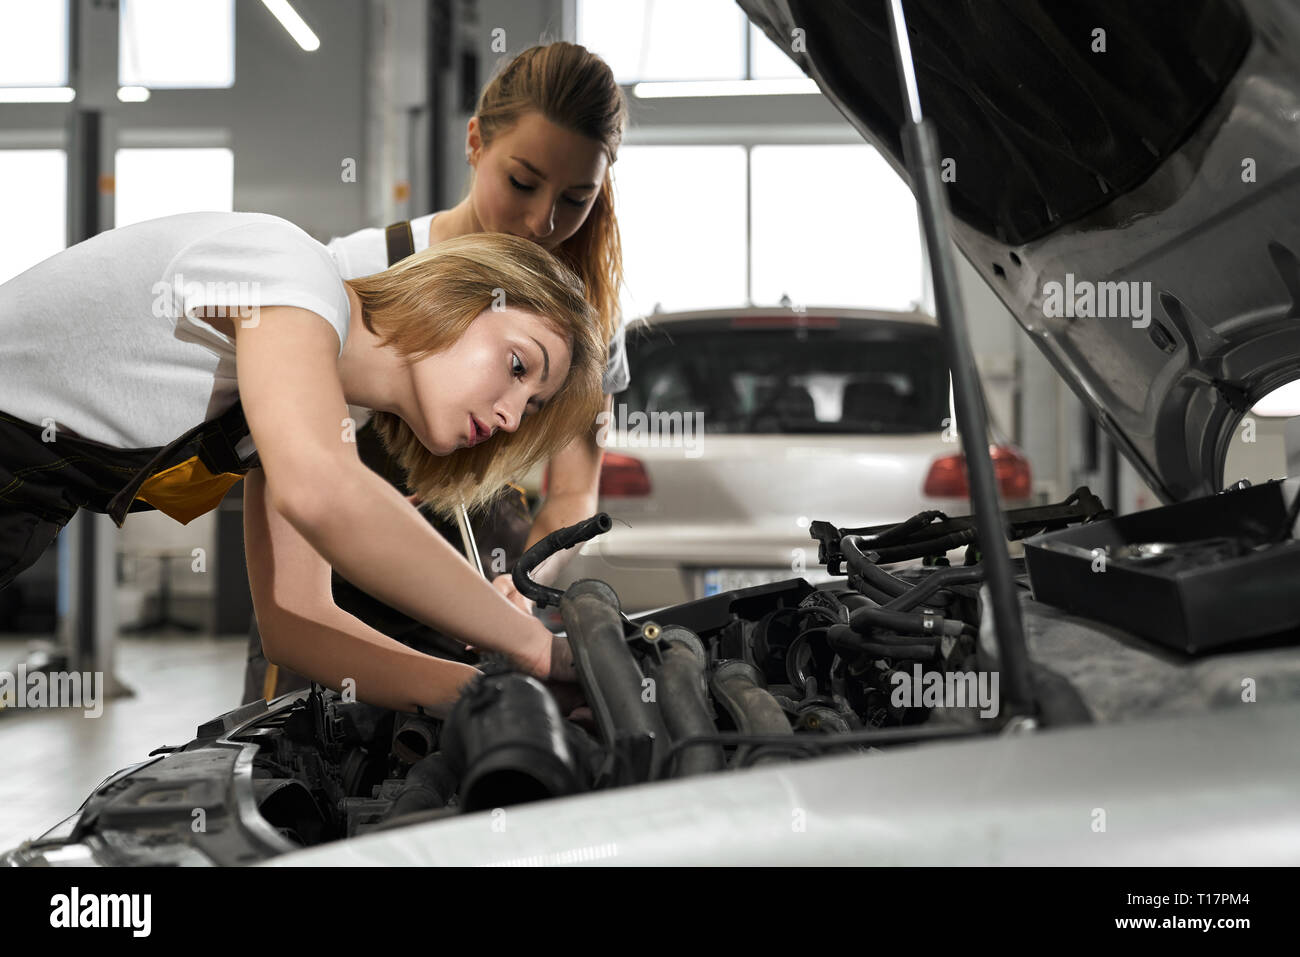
473,141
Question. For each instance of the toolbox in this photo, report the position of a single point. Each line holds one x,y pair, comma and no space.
1195,577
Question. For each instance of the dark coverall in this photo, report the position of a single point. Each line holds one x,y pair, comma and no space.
45,476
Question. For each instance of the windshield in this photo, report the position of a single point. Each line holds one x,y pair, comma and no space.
862,377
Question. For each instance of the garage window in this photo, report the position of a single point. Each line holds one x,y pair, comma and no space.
832,225
33,195
34,43
161,182
681,212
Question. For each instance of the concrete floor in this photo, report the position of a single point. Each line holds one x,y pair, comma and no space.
53,757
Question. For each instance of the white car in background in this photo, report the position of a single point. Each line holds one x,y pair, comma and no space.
741,426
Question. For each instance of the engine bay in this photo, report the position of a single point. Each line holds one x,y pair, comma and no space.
757,678
763,675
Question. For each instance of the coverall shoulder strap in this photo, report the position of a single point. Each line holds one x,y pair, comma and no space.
401,242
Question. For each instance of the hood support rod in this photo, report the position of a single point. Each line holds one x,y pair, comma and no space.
921,153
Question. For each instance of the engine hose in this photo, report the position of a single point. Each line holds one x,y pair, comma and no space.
682,690
845,640
505,737
629,725
902,530
857,559
414,737
960,575
738,687
906,622
868,590
429,784
931,546
557,541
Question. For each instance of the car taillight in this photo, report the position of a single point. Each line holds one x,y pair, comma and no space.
622,476
947,477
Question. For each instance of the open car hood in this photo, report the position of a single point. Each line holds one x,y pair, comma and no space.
1171,160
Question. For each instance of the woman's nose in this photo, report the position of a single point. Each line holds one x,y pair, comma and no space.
509,414
542,222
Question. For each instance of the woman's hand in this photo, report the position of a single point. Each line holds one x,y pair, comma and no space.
505,584
562,668
547,658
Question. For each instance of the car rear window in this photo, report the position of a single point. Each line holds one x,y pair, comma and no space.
867,378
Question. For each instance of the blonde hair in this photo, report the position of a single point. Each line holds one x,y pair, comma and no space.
574,88
425,303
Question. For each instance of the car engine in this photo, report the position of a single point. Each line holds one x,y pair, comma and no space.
772,673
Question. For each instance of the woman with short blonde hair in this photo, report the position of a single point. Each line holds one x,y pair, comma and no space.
156,365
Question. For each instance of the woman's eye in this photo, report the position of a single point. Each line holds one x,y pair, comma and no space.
575,202
517,367
520,186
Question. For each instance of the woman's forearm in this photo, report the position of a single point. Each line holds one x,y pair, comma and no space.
558,511
573,496
372,536
340,651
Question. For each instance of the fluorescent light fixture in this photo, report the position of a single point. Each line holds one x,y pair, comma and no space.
37,94
784,87
165,45
133,94
297,27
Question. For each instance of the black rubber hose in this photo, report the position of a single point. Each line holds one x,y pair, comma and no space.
959,575
738,687
681,683
907,622
868,590
557,541
844,639
612,679
870,737
850,546
429,784
505,738
414,738
902,530
931,546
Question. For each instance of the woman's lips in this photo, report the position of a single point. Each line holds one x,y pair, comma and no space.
476,432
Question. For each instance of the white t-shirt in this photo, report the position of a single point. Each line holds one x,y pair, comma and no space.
101,338
365,253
